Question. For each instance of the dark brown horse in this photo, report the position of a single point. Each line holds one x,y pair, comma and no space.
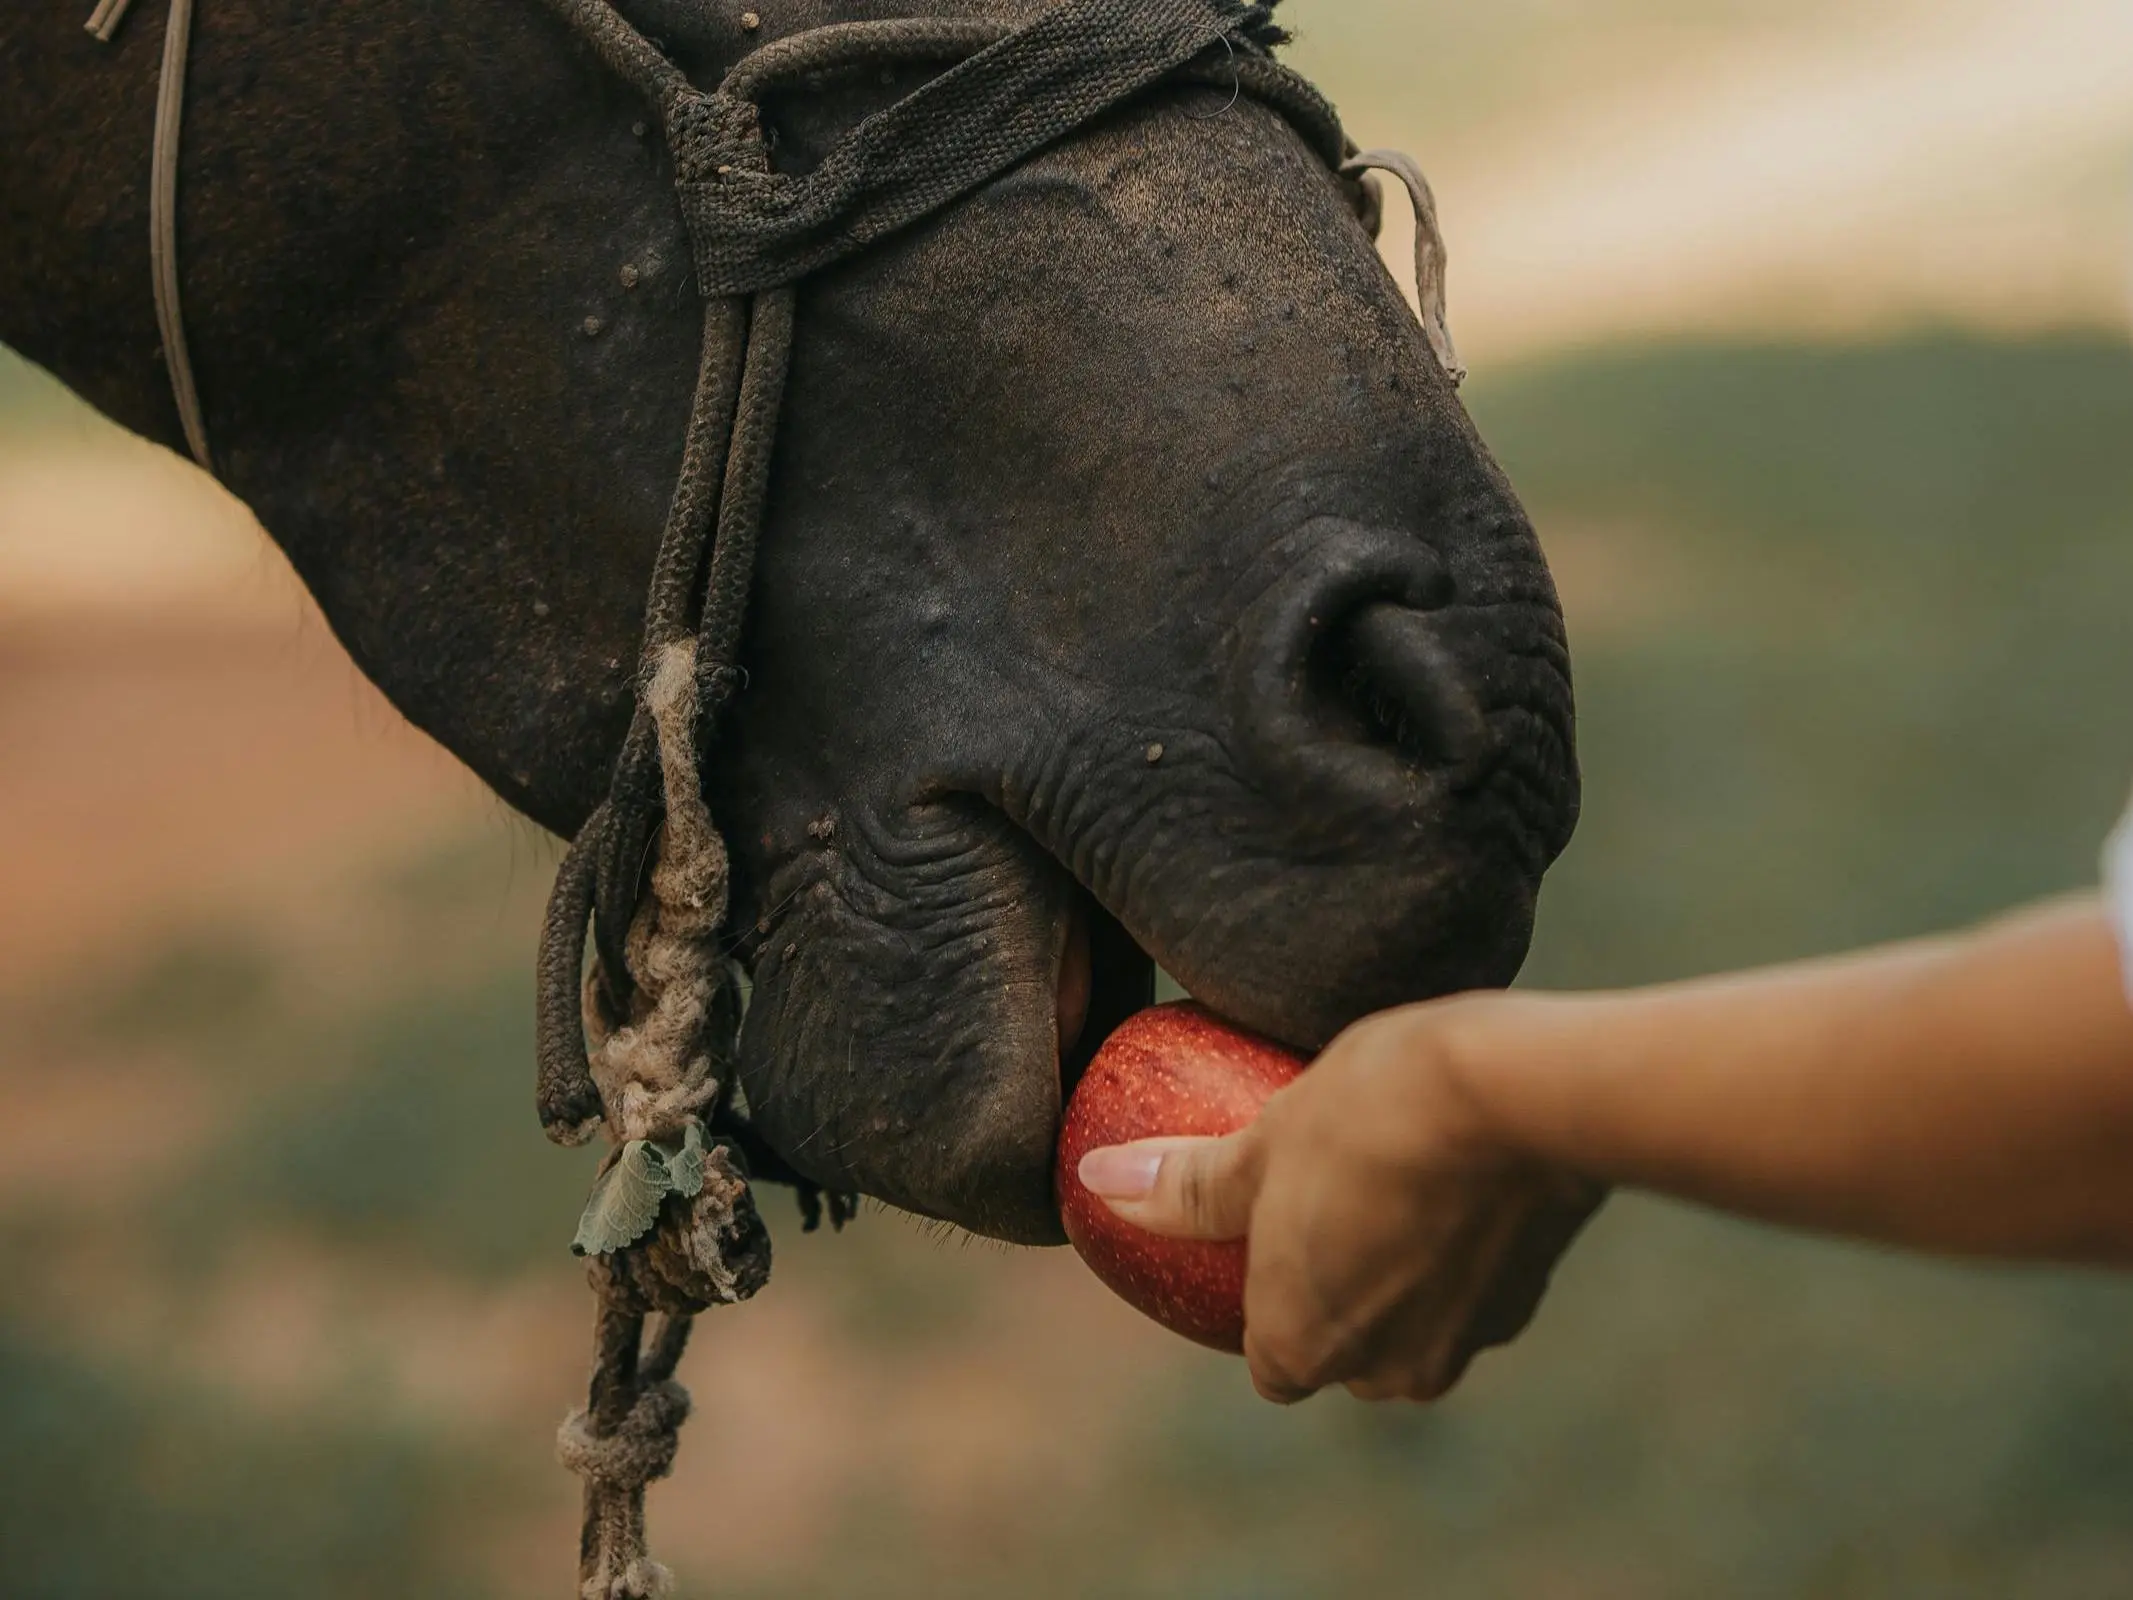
1134,587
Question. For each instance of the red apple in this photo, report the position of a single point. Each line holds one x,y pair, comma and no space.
1170,1070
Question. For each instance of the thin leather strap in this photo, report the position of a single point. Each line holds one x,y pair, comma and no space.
163,210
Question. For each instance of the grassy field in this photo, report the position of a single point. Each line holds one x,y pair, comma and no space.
1878,682
1851,629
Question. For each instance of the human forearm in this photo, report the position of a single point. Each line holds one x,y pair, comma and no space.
1405,1198
1971,1094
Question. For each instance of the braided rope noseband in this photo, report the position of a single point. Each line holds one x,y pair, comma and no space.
640,1044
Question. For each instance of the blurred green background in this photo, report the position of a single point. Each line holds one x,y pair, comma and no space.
287,1310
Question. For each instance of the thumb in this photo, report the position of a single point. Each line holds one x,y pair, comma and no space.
1186,1188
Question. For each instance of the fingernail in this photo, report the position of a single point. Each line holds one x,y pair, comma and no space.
1121,1172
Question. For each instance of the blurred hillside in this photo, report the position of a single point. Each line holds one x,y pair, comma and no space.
1608,168
1784,321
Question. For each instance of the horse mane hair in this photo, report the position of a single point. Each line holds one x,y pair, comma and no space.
1256,22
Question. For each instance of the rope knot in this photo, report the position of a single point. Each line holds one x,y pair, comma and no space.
640,1450
708,1249
641,1579
715,136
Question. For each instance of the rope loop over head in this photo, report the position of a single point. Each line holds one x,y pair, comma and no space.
1017,91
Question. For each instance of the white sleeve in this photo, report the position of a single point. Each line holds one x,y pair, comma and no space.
2118,891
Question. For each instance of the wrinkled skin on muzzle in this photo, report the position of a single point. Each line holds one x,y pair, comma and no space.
1134,587
1167,584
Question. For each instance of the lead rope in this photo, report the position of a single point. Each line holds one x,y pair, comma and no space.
658,1075
658,1059
163,209
662,1011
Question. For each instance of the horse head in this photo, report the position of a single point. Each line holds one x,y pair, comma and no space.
1133,588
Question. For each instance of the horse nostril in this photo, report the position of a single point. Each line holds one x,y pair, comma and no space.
1359,678
1391,669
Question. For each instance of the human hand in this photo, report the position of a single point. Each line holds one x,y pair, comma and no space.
1392,1238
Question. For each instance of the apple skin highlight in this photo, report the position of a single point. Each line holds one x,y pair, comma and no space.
1170,1071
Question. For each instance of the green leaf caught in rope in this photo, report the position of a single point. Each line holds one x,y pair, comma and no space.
625,1200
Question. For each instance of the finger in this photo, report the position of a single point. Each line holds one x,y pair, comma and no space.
1522,1279
1440,1377
1271,1377
1304,1309
1416,1348
1293,1348
1416,1357
1184,1188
